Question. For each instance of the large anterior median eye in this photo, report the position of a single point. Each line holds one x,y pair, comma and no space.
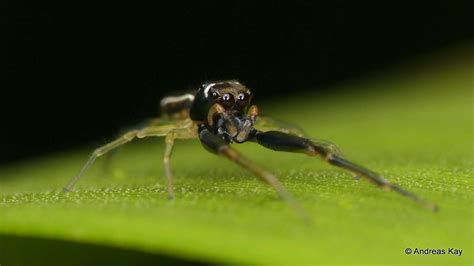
243,99
227,100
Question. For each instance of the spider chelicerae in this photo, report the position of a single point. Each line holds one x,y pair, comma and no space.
220,114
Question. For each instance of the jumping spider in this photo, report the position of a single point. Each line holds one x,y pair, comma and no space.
219,113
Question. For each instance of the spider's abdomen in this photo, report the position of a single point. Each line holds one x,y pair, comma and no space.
177,107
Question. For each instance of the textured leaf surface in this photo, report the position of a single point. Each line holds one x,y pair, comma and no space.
414,127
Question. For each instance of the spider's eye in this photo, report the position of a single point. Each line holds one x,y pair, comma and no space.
243,98
227,100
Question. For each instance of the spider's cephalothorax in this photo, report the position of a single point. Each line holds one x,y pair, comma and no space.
219,114
222,107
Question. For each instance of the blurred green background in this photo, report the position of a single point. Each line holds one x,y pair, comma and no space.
412,124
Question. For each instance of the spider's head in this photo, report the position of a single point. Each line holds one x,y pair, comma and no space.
230,94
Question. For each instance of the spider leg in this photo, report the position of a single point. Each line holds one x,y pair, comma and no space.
218,146
166,161
146,123
265,123
279,141
125,138
182,133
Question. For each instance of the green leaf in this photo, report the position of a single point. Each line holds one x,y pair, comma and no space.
414,126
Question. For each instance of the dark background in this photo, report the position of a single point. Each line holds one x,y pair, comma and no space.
78,72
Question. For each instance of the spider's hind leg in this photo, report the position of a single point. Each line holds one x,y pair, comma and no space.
280,141
152,122
99,152
152,131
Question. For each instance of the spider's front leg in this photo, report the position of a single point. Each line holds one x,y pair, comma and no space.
280,141
265,123
218,146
